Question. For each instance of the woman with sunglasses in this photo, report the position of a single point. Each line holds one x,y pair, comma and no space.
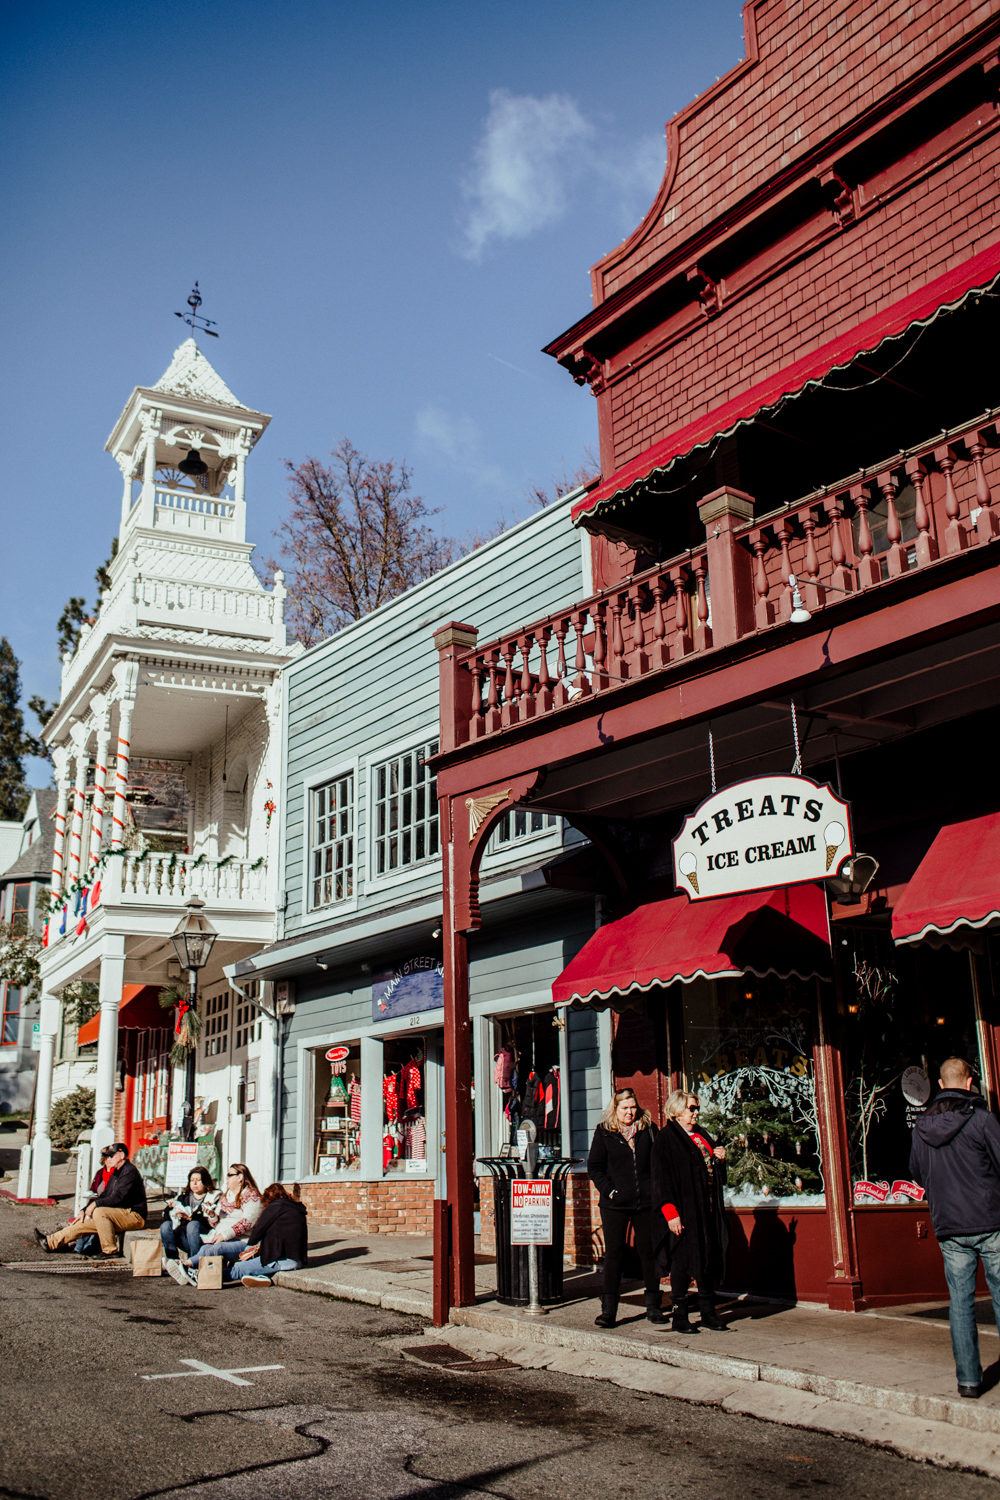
239,1210
689,1222
618,1166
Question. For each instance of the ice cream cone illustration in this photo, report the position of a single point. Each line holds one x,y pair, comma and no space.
688,866
834,834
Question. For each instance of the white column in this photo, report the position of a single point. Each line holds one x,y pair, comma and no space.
41,1145
97,807
74,863
150,427
110,994
123,750
124,462
60,762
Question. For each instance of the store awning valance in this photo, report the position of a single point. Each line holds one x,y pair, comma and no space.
955,886
943,294
140,1010
783,931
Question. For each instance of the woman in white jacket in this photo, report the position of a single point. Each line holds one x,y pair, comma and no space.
239,1209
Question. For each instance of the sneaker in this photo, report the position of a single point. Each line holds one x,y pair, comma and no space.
175,1270
256,1280
190,1275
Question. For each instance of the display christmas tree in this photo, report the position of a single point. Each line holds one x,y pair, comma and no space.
766,1152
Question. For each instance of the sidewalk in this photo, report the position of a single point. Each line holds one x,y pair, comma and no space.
885,1378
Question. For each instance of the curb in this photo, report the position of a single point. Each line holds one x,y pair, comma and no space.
30,1202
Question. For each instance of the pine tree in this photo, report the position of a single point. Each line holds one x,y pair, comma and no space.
766,1151
14,743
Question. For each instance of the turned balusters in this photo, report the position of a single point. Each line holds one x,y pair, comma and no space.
763,613
526,685
682,620
661,648
813,593
638,660
545,683
616,638
987,524
581,681
896,555
699,566
508,690
599,653
926,543
869,568
843,573
955,536
561,693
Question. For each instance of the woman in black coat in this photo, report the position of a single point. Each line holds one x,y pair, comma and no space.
618,1166
689,1223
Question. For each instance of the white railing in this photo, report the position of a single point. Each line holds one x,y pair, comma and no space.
168,880
250,605
192,502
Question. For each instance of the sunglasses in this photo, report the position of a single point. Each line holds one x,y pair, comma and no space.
234,1174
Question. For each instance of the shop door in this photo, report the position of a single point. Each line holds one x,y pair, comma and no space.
148,1084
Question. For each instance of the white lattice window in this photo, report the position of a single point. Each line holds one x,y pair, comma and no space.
215,1027
520,823
331,851
247,1025
404,811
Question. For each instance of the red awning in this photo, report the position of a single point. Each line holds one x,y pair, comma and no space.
675,941
943,294
140,1010
956,884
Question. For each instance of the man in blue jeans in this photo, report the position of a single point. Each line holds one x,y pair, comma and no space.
956,1157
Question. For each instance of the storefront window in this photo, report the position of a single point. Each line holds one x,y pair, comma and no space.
337,1109
404,1121
527,1081
748,1049
906,1010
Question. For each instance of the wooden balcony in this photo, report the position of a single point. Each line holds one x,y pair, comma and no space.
916,511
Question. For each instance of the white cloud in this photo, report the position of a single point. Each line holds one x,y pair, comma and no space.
459,441
523,168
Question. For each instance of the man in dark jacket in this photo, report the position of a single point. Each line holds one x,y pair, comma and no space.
956,1157
119,1206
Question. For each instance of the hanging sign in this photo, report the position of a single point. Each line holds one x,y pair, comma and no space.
531,1211
337,1054
416,985
767,831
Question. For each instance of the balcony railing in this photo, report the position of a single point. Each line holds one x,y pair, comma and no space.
168,880
230,604
912,512
193,503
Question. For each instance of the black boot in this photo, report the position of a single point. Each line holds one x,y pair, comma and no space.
680,1321
608,1316
709,1317
654,1313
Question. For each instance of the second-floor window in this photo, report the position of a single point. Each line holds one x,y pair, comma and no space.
331,847
11,1015
520,823
404,811
216,1024
20,909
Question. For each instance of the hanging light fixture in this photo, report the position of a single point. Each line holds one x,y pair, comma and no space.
194,465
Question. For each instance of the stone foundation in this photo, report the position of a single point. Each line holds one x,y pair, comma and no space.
387,1207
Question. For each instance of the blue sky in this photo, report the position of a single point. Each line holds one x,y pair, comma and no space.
390,208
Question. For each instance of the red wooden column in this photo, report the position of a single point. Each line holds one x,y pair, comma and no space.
844,1289
729,573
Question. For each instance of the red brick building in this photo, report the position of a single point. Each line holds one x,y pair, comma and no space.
795,546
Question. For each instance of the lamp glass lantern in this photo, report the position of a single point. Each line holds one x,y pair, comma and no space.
194,936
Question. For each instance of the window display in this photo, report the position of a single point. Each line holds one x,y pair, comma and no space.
404,1123
749,1057
338,1109
527,1080
906,1009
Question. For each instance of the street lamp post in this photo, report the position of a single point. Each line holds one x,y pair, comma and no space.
193,939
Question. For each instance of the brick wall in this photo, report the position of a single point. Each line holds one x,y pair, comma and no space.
372,1207
583,1244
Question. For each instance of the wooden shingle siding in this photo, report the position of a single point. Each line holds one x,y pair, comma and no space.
372,689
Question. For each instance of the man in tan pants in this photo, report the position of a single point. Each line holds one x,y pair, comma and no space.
121,1206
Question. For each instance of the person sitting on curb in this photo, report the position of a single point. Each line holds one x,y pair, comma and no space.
282,1240
89,1244
192,1214
238,1210
121,1206
955,1155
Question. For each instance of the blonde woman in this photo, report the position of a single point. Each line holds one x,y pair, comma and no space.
619,1167
689,1221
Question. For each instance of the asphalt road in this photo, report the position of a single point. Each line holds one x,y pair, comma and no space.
346,1414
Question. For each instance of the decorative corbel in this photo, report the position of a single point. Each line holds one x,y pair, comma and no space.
587,369
706,289
840,196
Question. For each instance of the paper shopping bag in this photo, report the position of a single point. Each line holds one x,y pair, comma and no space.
146,1257
210,1273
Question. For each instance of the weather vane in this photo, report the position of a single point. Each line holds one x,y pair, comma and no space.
196,320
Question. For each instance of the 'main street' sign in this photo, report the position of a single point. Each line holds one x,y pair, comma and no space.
768,831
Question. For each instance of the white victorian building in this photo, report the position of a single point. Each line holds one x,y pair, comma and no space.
165,746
